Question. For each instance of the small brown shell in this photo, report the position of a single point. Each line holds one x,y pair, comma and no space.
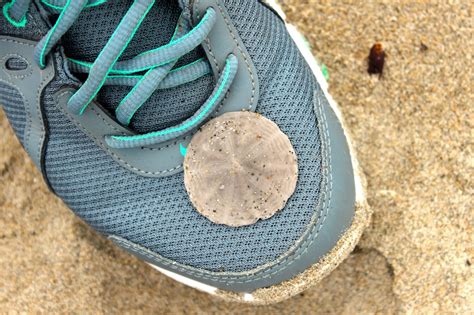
239,168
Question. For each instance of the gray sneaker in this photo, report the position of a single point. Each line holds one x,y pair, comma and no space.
106,97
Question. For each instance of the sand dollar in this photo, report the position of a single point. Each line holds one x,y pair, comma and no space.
240,168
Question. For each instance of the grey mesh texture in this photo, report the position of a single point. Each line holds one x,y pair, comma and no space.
13,104
156,213
164,108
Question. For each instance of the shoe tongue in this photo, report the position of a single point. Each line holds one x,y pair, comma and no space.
165,108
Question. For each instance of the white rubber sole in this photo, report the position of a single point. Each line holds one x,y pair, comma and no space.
305,50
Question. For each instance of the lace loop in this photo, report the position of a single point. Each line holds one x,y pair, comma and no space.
15,12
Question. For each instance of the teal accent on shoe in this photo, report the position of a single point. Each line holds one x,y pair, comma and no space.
325,71
17,24
182,149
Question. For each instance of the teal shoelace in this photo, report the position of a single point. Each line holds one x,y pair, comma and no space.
158,65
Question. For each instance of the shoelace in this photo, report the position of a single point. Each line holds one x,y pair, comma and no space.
157,64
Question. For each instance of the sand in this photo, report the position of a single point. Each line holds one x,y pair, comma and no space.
414,134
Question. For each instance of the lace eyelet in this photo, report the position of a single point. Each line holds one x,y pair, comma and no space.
18,24
42,64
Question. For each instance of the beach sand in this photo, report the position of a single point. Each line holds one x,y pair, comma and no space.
414,134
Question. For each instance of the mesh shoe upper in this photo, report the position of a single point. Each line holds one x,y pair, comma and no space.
155,212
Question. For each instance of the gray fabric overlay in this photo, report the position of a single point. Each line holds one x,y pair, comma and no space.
13,105
155,212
